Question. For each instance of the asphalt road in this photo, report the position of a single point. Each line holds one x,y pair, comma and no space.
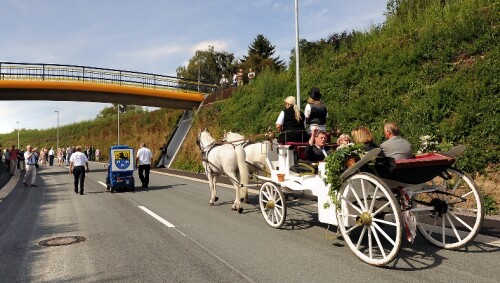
190,241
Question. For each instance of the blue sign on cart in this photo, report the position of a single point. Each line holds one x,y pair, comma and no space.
123,159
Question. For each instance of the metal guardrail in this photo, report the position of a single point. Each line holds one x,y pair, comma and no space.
74,73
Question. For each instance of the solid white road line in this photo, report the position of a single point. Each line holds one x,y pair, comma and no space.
155,216
102,183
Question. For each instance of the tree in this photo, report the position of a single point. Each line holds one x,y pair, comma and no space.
113,110
207,66
260,56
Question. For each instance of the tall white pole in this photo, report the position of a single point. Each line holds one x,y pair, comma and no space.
297,65
17,134
118,124
57,144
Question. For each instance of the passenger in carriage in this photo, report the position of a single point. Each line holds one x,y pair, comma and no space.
315,111
316,149
290,123
344,139
362,135
395,146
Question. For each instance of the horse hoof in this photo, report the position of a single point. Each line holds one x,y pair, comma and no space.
240,210
233,208
216,199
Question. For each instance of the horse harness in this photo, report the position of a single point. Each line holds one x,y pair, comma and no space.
205,151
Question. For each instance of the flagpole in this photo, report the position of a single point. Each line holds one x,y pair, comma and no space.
297,65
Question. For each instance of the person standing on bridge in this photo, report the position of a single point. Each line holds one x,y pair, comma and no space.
223,82
77,163
143,161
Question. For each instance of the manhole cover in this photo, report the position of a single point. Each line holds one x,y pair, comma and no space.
61,241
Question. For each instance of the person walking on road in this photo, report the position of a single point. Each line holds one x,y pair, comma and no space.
30,159
51,156
13,159
77,163
163,156
143,161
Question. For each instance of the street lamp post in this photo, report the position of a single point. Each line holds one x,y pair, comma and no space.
17,134
297,67
57,144
118,124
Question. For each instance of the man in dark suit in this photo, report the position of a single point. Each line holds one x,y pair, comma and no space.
316,150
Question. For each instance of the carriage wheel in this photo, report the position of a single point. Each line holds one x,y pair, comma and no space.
450,211
272,204
369,207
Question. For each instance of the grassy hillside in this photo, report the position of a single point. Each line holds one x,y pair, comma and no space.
154,128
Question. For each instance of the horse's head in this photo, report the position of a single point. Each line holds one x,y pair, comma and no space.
231,137
204,139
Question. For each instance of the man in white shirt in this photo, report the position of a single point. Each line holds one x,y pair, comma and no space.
143,160
77,163
51,156
30,158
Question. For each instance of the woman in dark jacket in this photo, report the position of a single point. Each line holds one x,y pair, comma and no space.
290,123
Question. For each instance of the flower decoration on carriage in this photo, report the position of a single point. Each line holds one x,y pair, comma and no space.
428,143
337,162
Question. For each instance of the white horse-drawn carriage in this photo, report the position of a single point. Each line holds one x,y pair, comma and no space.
374,211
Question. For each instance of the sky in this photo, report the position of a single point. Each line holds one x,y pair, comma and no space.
153,36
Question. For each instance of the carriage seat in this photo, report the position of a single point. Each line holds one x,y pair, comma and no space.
299,148
422,168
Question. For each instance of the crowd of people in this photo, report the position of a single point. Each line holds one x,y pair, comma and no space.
294,125
30,159
238,78
76,157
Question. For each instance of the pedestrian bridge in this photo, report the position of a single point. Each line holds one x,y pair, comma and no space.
54,82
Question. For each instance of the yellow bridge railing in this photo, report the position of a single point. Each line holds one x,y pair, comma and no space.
72,73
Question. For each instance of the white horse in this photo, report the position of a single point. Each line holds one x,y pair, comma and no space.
256,153
224,158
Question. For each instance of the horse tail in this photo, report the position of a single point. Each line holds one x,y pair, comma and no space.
243,170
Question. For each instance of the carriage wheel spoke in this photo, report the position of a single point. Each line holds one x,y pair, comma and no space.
465,195
384,222
352,228
380,209
443,230
460,220
378,241
454,189
384,234
365,198
474,210
372,205
453,228
357,197
361,236
351,204
348,215
370,245
433,227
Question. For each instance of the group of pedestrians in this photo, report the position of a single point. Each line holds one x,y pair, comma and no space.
238,78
